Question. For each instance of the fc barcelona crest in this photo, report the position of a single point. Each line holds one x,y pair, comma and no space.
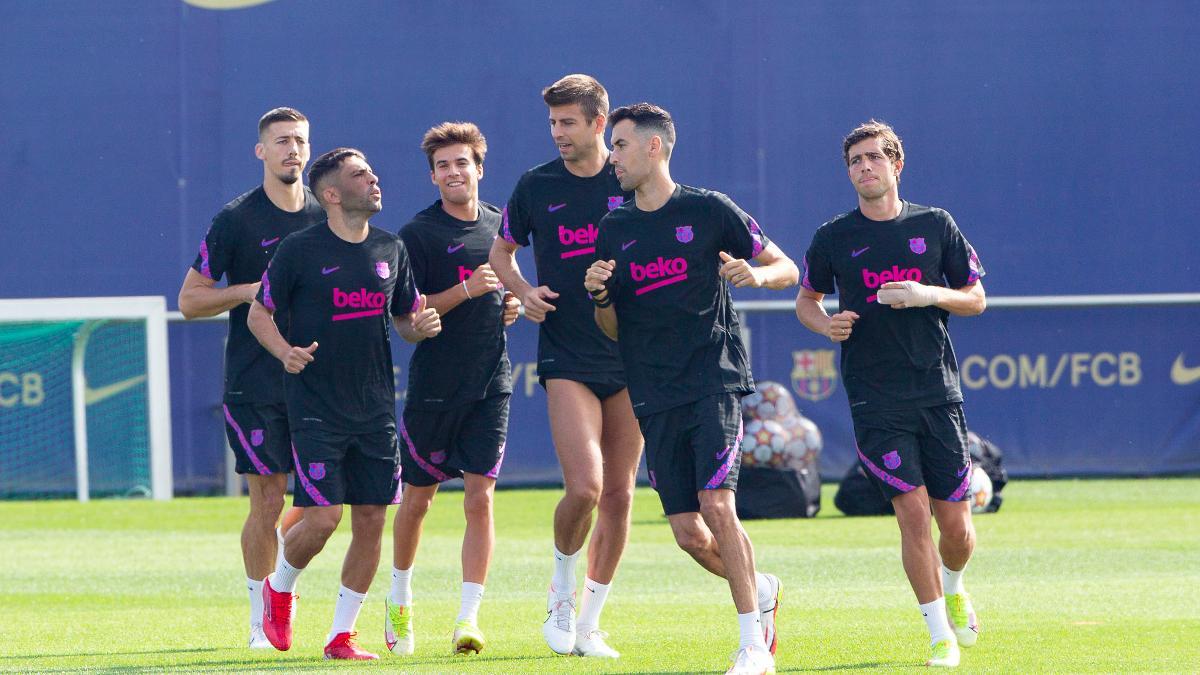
683,233
382,269
316,470
814,374
917,245
615,202
256,437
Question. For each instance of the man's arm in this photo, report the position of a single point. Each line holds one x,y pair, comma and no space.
969,300
418,325
503,259
482,280
774,270
812,314
595,281
261,322
200,297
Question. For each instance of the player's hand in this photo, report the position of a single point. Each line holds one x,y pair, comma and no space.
482,280
250,292
905,294
841,325
512,307
739,272
537,303
598,275
425,321
299,357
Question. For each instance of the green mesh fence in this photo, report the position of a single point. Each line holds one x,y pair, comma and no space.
37,438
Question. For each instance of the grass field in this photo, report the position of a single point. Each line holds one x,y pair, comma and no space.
1071,576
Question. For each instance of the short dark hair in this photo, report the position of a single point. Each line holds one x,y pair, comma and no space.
279,115
326,164
453,133
649,117
582,89
892,146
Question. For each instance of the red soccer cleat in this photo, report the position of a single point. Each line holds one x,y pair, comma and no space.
279,609
343,646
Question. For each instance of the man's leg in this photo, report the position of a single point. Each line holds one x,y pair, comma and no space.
576,427
922,566
358,569
478,541
304,542
259,543
406,537
956,543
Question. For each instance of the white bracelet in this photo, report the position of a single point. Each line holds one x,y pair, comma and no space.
464,285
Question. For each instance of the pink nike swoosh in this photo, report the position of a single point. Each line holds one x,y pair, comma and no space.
554,207
330,270
267,242
855,254
452,249
721,454
628,244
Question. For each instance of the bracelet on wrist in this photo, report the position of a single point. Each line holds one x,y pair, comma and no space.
602,302
464,285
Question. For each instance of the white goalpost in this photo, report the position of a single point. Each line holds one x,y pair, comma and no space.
103,338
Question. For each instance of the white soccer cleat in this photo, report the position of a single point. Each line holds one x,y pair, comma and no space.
559,626
767,613
398,628
944,654
591,643
752,661
258,639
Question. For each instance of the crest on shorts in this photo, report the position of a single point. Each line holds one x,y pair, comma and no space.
316,470
256,437
814,374
683,233
615,202
892,460
917,244
437,456
382,269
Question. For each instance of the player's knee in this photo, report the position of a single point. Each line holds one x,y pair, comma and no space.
322,523
717,513
478,507
616,501
583,494
693,541
958,535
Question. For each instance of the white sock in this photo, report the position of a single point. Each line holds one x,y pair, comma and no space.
346,612
952,581
278,546
401,593
935,619
590,606
750,631
472,595
764,589
284,578
564,572
256,606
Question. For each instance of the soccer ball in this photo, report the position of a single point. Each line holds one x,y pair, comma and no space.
764,443
980,490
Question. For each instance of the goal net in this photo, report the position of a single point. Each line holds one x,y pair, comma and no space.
84,398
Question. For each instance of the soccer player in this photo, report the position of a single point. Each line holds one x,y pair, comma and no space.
559,205
900,269
660,279
242,238
459,383
337,281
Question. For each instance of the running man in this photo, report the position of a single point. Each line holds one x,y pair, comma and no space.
338,281
559,206
459,383
659,285
240,242
900,270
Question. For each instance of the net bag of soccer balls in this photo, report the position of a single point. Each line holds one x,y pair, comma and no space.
780,449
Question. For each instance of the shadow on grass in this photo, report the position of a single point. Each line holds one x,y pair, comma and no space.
314,663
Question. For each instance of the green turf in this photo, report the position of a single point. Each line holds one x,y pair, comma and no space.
1070,576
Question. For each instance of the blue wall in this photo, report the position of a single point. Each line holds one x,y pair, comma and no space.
1059,134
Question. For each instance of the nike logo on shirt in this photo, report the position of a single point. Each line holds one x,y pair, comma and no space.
628,244
452,248
855,254
267,242
330,270
554,207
